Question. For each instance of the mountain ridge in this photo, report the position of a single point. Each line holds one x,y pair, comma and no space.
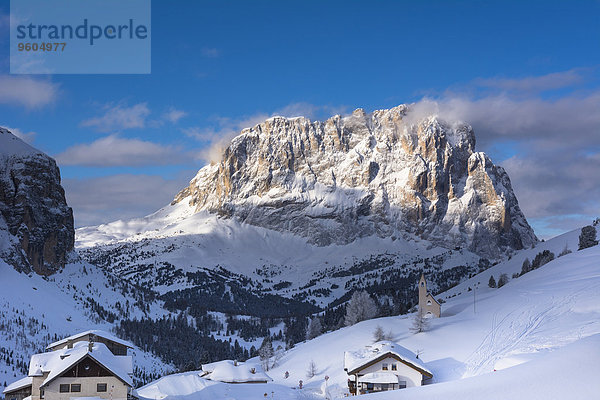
386,174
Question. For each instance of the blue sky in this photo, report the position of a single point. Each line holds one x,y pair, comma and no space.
127,143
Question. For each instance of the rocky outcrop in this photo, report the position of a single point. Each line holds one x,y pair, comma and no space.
386,173
34,216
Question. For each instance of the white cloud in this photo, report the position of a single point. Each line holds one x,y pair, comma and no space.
111,151
119,117
28,92
104,199
174,115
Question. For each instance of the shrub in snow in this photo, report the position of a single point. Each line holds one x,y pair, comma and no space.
502,280
564,251
587,238
492,282
314,328
360,308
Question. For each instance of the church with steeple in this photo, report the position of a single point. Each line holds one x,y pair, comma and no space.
428,305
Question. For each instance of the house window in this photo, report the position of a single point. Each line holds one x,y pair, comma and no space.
13,398
384,367
101,387
370,386
402,385
75,387
428,302
394,367
384,386
41,393
64,388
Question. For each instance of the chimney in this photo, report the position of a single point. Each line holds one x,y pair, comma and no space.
90,346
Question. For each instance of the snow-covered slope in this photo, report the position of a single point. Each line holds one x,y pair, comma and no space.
36,310
537,337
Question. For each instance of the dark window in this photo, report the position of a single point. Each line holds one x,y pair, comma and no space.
384,367
64,388
384,386
402,385
101,387
370,386
394,367
75,387
13,398
41,393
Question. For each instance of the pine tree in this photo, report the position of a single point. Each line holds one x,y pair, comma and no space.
492,282
360,308
502,280
587,238
526,267
314,328
265,352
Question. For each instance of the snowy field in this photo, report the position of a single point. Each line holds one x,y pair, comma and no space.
538,337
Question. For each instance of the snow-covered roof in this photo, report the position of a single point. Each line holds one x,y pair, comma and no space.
57,362
96,332
235,372
354,360
379,377
20,384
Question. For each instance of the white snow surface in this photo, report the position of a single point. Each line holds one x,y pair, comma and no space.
537,337
10,145
235,372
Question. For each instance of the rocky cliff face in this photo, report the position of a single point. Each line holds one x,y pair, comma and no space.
384,173
36,225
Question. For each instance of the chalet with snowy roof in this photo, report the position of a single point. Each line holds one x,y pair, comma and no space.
229,371
428,305
383,366
77,369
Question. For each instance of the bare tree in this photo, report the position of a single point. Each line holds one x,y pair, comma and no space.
420,323
312,369
379,334
360,308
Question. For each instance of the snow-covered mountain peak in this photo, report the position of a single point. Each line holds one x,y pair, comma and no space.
385,173
11,145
